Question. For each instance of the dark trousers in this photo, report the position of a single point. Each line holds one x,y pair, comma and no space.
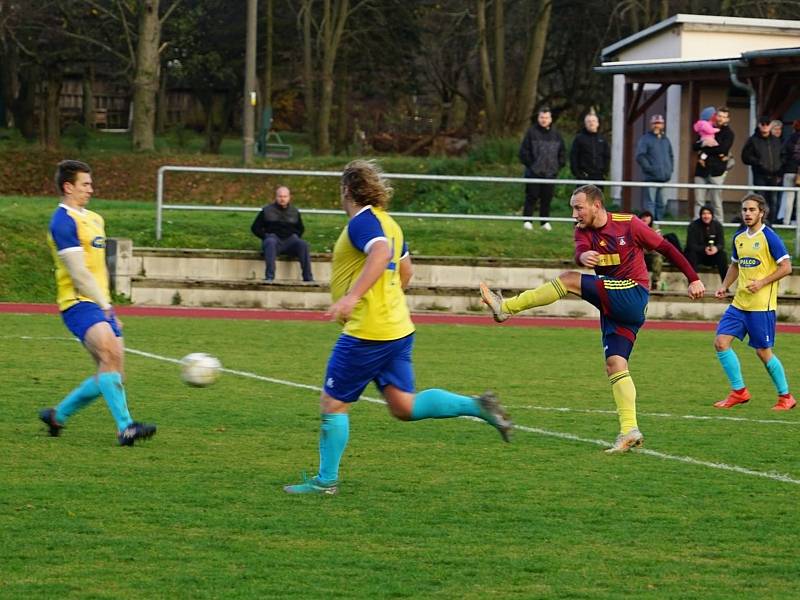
541,192
770,196
699,257
272,246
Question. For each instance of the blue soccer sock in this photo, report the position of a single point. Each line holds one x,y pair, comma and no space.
778,375
111,387
441,404
333,435
82,395
732,367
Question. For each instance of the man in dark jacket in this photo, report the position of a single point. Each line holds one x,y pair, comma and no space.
712,163
705,243
655,158
790,158
280,227
543,153
590,154
762,152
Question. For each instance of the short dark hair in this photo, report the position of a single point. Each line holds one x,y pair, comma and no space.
724,109
67,172
544,109
592,193
758,199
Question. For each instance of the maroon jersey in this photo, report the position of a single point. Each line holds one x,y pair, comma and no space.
621,243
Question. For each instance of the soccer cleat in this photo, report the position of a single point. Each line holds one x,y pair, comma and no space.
785,402
312,486
626,441
135,431
741,396
48,417
494,302
494,414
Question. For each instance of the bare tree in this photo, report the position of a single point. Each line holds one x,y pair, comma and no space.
506,114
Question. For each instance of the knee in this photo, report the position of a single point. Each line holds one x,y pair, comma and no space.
720,344
400,412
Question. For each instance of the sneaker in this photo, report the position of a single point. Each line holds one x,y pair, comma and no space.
135,431
312,486
546,226
494,302
494,414
626,441
527,225
785,402
48,417
735,397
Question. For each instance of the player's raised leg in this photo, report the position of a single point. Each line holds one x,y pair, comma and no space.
436,403
545,294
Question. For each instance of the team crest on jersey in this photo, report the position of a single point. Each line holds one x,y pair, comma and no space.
99,242
621,241
603,243
756,245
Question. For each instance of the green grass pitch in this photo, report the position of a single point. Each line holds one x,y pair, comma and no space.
436,509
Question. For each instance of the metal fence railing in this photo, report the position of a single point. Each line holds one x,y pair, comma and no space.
161,206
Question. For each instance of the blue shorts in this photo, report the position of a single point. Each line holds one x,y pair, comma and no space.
622,304
80,317
759,325
355,362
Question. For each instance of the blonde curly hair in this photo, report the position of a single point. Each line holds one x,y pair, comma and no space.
364,183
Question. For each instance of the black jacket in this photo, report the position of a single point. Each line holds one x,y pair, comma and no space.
790,153
717,157
542,152
763,154
589,156
700,235
283,222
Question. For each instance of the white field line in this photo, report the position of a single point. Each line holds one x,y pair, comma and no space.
564,409
546,432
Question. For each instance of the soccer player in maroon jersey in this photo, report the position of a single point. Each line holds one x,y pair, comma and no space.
613,244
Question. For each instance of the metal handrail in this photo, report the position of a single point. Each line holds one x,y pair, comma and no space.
160,206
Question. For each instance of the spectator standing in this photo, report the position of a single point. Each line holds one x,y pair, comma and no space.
655,158
712,165
543,153
762,152
790,160
280,227
590,154
705,242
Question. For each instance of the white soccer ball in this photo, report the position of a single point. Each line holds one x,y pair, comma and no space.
200,369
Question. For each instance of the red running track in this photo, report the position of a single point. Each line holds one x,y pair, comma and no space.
311,315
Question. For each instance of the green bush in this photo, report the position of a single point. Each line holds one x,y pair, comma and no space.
503,151
78,134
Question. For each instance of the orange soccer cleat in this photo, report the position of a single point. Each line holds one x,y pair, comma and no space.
785,402
735,397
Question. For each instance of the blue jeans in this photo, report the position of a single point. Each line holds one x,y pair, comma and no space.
654,201
291,246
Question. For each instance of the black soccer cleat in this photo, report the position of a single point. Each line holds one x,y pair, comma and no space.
48,417
135,431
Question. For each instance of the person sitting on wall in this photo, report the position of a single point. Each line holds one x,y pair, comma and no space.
280,228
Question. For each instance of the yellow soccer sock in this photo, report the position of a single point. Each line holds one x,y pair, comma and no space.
547,293
625,398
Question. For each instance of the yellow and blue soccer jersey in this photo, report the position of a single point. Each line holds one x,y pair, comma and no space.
757,255
73,230
382,313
